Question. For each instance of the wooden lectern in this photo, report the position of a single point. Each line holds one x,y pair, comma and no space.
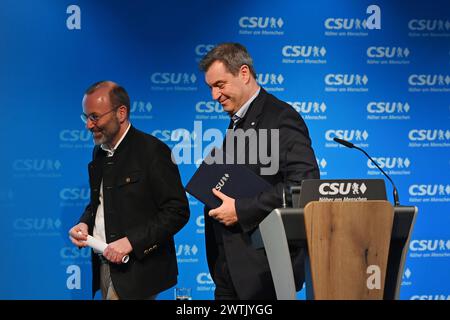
347,240
355,249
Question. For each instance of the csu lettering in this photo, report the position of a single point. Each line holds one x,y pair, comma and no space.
299,51
346,134
345,79
335,188
260,22
422,24
74,135
423,190
204,278
208,107
428,79
423,134
172,78
74,194
381,52
387,107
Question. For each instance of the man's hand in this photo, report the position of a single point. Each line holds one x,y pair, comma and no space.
226,213
78,234
116,250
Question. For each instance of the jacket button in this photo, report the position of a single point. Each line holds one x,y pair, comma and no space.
127,180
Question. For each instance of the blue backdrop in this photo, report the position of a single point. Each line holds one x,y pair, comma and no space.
385,89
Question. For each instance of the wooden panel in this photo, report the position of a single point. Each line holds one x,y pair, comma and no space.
344,239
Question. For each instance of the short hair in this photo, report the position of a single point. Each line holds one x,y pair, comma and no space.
232,55
117,95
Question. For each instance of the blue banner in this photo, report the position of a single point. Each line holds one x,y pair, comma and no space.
374,73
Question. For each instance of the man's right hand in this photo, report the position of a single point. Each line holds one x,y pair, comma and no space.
78,234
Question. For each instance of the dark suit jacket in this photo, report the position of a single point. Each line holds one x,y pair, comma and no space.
144,200
248,266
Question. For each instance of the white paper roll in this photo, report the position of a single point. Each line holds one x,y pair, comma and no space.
96,244
100,246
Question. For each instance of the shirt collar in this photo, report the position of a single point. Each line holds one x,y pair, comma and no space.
243,110
110,152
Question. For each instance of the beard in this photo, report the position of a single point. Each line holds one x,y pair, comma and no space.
106,133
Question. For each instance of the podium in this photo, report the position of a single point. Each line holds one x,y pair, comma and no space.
355,249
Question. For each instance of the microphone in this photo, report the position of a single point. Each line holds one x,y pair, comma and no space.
351,145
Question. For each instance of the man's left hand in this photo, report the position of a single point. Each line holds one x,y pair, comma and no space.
226,213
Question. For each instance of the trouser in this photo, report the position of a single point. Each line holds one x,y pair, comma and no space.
224,284
106,285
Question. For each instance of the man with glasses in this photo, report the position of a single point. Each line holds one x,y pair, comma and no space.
137,201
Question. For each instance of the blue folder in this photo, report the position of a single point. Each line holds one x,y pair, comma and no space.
235,180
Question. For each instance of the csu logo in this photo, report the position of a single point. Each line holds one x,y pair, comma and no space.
261,22
36,165
322,163
303,51
186,250
345,24
346,79
406,274
429,190
389,163
141,106
428,25
204,278
430,245
348,135
269,78
428,80
387,52
222,181
208,107
202,49
173,135
74,135
428,134
343,188
200,221
74,253
173,78
308,107
141,110
74,194
36,224
388,107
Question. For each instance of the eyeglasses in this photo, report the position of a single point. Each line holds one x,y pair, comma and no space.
93,117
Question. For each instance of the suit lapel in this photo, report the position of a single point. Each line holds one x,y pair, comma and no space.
250,121
251,118
95,168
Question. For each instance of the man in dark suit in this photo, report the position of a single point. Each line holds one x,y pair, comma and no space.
239,269
137,201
